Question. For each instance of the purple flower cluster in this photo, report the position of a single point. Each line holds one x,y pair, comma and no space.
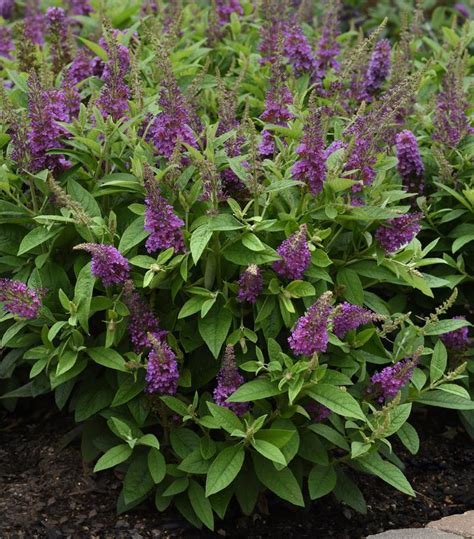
276,112
228,381
298,50
113,99
171,126
328,48
142,322
361,159
462,9
81,67
6,8
451,123
310,334
310,167
164,225
108,264
379,67
20,300
295,255
35,22
162,373
390,380
410,165
225,8
250,284
79,7
398,232
457,339
6,42
45,109
318,412
351,317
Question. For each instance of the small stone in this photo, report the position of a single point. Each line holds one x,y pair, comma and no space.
413,533
460,524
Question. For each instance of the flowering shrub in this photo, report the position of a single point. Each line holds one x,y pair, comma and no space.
226,251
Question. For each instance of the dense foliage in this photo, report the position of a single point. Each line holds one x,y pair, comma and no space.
236,239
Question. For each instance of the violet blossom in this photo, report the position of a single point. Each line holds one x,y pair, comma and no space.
225,8
295,255
162,373
108,264
318,412
398,232
379,67
410,165
6,42
298,50
19,299
457,339
250,284
228,381
349,317
165,227
310,334
390,380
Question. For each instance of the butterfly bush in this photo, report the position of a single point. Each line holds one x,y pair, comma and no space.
236,240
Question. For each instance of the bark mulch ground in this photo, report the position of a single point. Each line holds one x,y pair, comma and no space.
45,491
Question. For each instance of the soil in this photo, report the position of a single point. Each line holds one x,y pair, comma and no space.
45,491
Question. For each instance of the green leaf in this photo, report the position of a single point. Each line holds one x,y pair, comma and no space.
409,438
183,441
321,481
225,417
177,486
199,241
445,400
112,457
240,255
282,482
253,243
138,481
337,400
330,434
107,358
445,326
128,388
215,328
95,48
224,469
352,286
398,416
387,471
83,295
176,405
192,306
194,463
260,388
85,199
133,235
269,451
278,437
150,440
36,237
348,492
201,505
439,361
301,289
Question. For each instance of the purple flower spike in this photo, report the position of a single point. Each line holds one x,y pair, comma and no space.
398,232
310,334
228,381
410,165
6,42
451,122
462,9
162,373
295,255
81,67
35,22
165,226
310,167
328,47
225,8
142,321
20,300
298,50
113,99
276,112
6,8
108,264
79,7
318,412
457,339
250,284
351,317
390,380
379,67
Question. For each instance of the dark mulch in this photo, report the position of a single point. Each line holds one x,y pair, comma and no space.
45,491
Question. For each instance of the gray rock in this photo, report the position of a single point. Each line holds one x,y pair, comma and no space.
414,533
462,525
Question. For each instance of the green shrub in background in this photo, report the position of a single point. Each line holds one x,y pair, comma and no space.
230,239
